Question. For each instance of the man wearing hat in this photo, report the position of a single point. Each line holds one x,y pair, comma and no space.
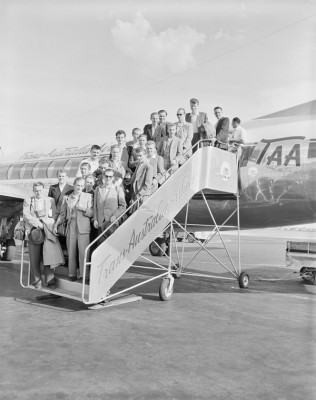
40,213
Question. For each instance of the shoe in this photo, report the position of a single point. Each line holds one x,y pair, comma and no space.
51,286
72,278
37,284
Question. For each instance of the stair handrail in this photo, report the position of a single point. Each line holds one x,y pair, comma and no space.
166,174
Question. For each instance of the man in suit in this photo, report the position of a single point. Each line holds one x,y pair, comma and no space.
163,122
109,203
196,117
132,163
222,129
185,133
154,131
121,143
157,163
171,149
60,189
142,178
77,209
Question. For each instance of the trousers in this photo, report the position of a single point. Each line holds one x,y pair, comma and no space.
36,259
76,245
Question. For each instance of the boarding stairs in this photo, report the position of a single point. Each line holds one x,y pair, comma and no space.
208,167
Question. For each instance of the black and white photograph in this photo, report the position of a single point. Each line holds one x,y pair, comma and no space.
157,199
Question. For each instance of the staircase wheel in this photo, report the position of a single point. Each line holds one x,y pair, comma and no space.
243,280
166,289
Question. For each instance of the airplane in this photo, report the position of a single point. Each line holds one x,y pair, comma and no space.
277,177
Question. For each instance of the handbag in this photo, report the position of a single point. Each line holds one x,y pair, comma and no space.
62,229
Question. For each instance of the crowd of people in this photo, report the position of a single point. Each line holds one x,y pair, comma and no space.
105,187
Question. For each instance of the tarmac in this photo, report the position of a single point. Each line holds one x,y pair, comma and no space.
212,340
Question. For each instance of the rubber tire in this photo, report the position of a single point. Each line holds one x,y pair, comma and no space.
180,239
10,251
243,280
190,239
155,250
164,293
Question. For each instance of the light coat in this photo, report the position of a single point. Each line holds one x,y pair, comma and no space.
175,149
108,205
84,212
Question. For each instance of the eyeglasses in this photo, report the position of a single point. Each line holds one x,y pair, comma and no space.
108,176
179,114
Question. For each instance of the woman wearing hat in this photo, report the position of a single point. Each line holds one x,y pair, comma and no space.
40,213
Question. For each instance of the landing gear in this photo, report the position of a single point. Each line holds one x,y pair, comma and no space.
166,288
308,275
158,247
243,280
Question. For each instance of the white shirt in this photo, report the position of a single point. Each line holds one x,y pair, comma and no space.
194,123
239,134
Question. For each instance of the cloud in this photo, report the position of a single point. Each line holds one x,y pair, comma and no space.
236,37
168,51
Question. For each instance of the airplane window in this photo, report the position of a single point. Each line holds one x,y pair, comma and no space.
4,171
22,171
50,169
40,169
27,171
54,166
14,173
312,150
72,166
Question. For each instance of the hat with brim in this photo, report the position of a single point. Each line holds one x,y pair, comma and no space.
36,236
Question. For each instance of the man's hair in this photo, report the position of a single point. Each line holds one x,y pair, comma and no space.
79,178
90,176
182,109
236,119
153,113
142,135
194,101
85,164
150,143
37,184
108,169
163,111
140,150
136,129
103,160
171,125
61,171
215,108
120,132
95,147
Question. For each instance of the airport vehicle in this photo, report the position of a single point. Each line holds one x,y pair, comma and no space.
277,177
301,256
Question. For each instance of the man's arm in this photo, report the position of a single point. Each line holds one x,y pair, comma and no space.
121,203
179,151
28,217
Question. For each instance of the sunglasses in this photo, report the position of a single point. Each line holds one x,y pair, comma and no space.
108,176
179,114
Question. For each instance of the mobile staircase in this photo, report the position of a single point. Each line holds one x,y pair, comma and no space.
208,168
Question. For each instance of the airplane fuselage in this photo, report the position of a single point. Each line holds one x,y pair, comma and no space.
276,185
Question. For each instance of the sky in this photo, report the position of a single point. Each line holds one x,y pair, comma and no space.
73,72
